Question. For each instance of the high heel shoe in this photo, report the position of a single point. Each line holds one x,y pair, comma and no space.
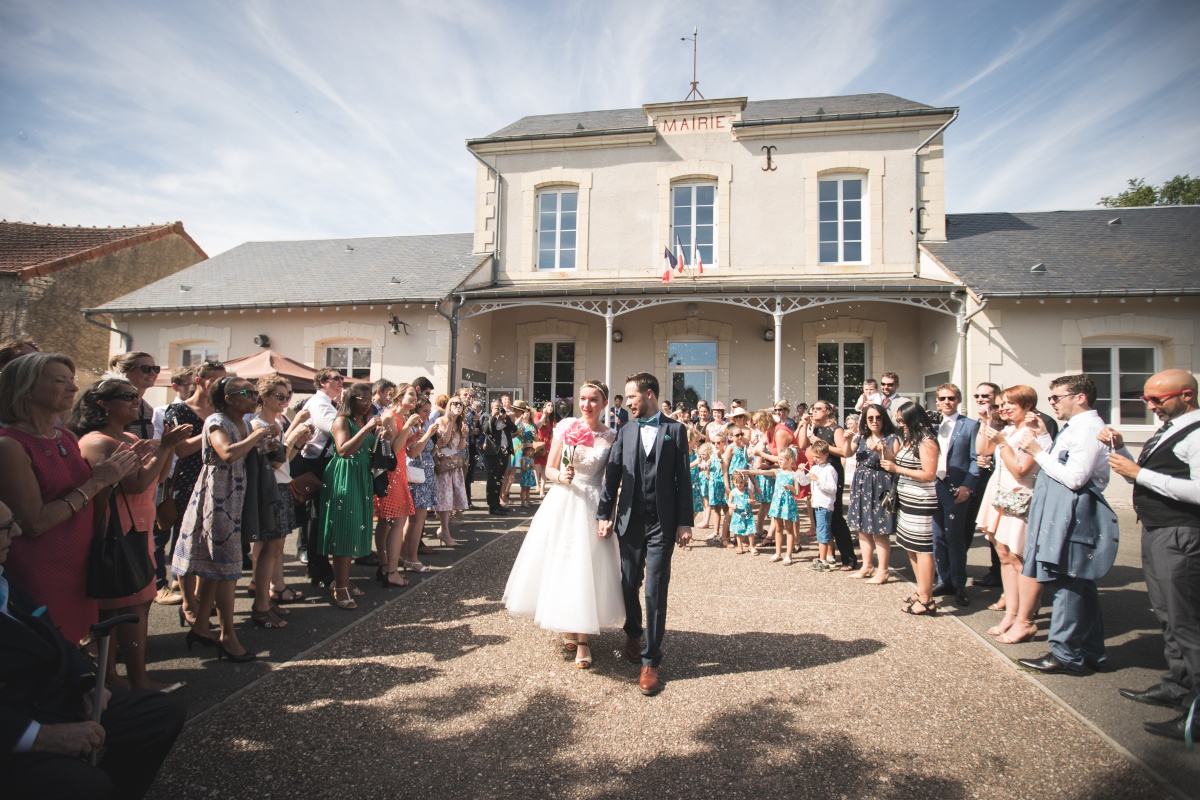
381,575
184,620
387,583
1008,637
195,638
242,659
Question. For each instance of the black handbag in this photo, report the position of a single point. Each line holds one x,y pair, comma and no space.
891,499
119,562
383,456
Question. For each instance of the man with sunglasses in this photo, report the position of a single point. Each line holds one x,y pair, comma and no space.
1166,495
1072,535
316,455
957,479
889,385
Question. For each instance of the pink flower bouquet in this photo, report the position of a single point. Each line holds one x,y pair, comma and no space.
576,433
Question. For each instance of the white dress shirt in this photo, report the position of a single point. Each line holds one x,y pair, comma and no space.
1187,449
649,433
945,434
322,413
1088,459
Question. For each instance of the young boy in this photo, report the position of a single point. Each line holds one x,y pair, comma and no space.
823,483
870,394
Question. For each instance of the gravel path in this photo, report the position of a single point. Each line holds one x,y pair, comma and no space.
780,682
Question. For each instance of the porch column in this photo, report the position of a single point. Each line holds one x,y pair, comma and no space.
608,331
778,316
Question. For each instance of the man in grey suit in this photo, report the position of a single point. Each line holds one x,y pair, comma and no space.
648,465
957,476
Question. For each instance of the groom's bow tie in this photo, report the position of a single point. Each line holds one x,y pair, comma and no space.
652,422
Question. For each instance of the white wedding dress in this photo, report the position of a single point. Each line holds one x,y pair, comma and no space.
566,576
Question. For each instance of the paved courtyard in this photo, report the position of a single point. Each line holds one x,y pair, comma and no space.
780,682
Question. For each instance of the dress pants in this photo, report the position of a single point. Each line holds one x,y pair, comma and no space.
646,548
139,729
949,540
469,471
319,566
1171,562
841,530
1076,627
496,466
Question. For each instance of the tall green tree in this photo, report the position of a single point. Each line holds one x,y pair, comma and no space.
1180,190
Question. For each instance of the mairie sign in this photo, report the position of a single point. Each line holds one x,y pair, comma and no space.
693,123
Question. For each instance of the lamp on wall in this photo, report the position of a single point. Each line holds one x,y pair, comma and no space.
617,335
397,325
768,334
262,340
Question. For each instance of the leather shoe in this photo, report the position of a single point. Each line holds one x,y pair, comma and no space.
989,581
962,599
1048,665
498,511
1172,729
942,589
1154,696
633,650
651,685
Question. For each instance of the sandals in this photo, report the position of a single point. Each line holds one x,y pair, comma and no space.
266,619
999,605
354,590
775,558
753,551
570,643
583,662
929,609
286,595
415,566
996,630
879,579
346,604
738,551
387,582
862,573
1008,637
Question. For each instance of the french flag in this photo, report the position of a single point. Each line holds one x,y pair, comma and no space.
681,255
698,261
669,265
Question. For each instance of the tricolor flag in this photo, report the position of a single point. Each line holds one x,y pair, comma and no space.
698,261
680,254
669,264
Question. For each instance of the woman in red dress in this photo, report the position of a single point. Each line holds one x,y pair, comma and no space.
393,509
49,487
545,434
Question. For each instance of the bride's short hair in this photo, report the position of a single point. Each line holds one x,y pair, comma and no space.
599,386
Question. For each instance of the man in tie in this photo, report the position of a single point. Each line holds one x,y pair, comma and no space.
1072,535
957,476
617,415
1166,495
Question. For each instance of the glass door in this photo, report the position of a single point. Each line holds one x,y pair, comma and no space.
692,372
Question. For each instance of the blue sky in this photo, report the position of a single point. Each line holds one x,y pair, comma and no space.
293,120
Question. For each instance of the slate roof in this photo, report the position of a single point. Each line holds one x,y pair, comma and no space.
28,250
321,272
1153,250
635,118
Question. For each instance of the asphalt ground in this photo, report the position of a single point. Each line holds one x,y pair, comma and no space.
779,682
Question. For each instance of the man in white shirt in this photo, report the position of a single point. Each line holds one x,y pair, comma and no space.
1072,537
316,455
1166,495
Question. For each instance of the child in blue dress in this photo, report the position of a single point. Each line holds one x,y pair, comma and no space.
694,441
741,518
784,511
716,490
528,475
703,456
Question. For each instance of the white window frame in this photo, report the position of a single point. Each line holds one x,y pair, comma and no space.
205,348
1113,345
557,192
689,243
554,341
864,240
846,404
349,345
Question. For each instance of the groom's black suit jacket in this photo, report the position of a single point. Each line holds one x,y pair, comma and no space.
669,484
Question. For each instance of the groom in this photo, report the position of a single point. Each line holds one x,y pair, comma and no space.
649,462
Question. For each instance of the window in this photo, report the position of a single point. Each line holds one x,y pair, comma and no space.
196,353
694,221
841,220
353,361
557,226
692,370
1125,370
841,369
932,382
554,375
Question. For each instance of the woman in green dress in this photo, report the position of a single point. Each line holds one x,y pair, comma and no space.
346,496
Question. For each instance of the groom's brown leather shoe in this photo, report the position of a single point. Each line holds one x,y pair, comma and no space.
633,650
649,682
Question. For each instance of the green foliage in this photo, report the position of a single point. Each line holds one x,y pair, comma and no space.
1180,190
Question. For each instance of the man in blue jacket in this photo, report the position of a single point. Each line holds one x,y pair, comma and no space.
957,476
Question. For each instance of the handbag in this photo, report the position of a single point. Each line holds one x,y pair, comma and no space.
307,487
416,473
166,513
891,499
382,455
119,561
1013,502
379,484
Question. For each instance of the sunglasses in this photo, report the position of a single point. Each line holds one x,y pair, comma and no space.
128,397
455,403
983,396
283,398
247,392
1158,401
874,417
1054,398
947,399
335,378
887,385
149,370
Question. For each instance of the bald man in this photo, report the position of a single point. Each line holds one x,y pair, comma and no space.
1166,495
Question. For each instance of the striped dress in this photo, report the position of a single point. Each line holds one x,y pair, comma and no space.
917,503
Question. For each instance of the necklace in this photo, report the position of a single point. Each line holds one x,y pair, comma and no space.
56,438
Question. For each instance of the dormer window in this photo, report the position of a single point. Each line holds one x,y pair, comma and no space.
557,228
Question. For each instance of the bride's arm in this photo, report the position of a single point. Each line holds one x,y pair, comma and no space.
554,461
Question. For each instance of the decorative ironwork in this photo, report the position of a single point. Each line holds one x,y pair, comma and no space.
770,167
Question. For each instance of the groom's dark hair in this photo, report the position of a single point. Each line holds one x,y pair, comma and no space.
645,382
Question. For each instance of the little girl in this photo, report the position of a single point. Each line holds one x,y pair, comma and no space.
694,440
783,510
716,489
703,456
528,474
741,519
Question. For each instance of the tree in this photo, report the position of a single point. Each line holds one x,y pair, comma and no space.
1180,190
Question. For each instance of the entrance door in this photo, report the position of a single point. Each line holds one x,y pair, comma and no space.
841,369
692,372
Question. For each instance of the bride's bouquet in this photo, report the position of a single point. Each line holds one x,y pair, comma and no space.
574,434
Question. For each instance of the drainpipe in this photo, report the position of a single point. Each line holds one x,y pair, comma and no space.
499,214
87,317
452,318
960,322
916,212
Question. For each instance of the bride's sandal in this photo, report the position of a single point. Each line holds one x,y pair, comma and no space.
582,661
569,644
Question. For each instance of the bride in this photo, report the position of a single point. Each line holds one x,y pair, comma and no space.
566,576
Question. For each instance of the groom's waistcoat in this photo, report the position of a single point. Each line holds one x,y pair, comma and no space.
644,501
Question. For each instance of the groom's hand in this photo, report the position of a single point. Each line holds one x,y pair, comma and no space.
604,528
683,536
